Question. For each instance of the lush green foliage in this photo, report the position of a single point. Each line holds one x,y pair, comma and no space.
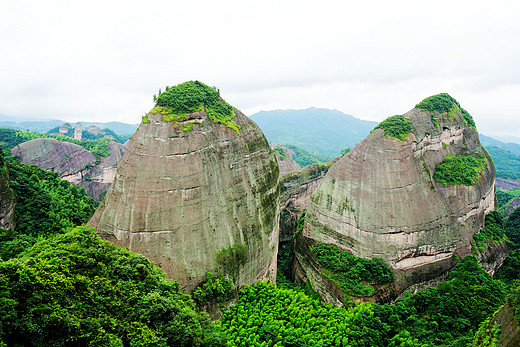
350,272
503,197
446,315
396,126
266,316
218,287
493,231
45,204
512,227
145,119
10,138
195,96
487,336
449,314
444,103
513,300
76,289
460,169
504,160
441,103
231,259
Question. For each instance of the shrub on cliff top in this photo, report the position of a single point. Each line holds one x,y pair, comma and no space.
395,126
192,96
444,103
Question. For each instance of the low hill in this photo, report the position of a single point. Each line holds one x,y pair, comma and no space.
316,130
489,141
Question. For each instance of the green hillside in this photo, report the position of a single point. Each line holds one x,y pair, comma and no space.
315,130
506,162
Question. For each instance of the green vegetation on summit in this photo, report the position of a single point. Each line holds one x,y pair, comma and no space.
444,103
188,97
460,169
396,126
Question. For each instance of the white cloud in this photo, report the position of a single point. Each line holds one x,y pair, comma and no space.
94,60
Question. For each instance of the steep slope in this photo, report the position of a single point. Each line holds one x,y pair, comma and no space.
198,180
316,130
385,197
284,157
73,163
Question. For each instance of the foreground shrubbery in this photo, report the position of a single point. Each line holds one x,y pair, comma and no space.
76,289
446,315
45,205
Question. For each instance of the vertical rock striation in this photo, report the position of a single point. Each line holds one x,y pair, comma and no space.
192,186
382,200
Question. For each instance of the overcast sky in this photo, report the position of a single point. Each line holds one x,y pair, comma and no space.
103,60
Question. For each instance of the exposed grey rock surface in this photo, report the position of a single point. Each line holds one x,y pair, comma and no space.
73,163
179,198
380,200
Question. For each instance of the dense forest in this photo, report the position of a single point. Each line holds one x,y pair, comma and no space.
62,285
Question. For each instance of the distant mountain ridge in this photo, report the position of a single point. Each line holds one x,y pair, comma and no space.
317,130
510,146
43,126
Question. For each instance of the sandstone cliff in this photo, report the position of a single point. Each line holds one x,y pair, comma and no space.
193,184
382,200
73,163
284,157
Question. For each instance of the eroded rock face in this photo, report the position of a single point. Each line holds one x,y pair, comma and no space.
73,163
381,200
65,158
288,164
180,197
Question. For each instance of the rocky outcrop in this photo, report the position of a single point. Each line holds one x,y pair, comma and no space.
381,200
73,163
295,193
285,160
503,320
187,190
65,158
78,132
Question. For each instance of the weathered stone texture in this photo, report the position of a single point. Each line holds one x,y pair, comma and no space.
73,163
179,197
380,200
